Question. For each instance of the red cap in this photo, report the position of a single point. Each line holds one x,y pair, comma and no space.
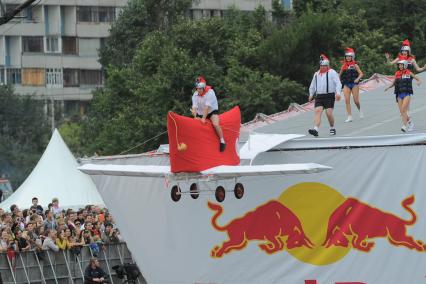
349,51
406,43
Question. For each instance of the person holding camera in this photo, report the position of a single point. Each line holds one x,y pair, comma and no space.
109,235
22,239
325,88
94,273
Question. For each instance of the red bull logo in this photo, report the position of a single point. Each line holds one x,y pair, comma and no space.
252,227
315,224
358,223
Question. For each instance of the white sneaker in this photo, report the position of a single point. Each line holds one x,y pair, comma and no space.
361,114
404,128
349,119
410,126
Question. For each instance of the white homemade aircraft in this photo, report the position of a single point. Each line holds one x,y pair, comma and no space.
256,144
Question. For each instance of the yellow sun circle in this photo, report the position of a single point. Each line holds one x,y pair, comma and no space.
313,203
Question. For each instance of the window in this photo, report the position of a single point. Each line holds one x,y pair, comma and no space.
33,77
103,42
91,77
32,43
13,76
69,45
86,14
52,44
11,7
89,46
95,14
53,77
106,14
196,14
71,78
2,77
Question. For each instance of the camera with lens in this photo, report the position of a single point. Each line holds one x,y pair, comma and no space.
128,270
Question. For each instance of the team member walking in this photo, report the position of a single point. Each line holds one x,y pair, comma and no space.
403,83
325,88
350,74
405,54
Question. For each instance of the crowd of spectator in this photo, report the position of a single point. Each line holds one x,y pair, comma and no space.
55,229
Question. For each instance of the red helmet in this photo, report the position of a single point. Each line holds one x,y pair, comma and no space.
406,46
350,52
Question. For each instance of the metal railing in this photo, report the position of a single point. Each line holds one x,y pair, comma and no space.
63,267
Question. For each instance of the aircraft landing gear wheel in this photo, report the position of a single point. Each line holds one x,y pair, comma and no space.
175,193
239,190
220,194
193,189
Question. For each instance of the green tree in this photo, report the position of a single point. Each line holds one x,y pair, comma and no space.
258,92
318,6
24,133
136,20
293,51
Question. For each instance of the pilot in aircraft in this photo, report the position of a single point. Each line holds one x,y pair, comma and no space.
205,106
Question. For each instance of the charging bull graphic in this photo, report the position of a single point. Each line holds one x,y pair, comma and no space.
356,222
269,223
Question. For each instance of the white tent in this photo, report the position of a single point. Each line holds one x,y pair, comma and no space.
55,175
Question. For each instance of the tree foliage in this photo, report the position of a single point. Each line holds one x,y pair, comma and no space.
24,133
136,20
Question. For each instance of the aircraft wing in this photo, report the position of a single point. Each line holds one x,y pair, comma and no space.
125,170
216,173
263,170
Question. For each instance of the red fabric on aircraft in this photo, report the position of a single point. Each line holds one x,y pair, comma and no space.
199,143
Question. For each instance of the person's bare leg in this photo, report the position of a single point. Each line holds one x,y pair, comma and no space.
355,94
400,109
317,117
347,93
215,121
330,117
404,108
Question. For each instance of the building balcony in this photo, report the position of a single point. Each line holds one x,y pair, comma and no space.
22,29
57,93
37,60
93,30
115,3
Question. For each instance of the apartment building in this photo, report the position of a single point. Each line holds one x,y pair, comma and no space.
51,50
217,8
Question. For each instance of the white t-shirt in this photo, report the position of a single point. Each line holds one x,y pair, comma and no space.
320,86
200,102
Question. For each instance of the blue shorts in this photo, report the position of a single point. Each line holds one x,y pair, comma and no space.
350,85
403,95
